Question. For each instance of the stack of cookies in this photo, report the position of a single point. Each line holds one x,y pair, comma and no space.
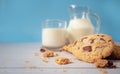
92,48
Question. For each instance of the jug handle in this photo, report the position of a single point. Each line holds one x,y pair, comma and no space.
97,19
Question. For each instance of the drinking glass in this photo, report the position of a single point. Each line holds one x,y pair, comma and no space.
53,33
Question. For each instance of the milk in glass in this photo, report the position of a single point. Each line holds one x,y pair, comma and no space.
53,37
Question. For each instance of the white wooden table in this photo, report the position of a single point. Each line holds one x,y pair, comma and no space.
19,58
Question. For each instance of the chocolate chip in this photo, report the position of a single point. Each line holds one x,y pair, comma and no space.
98,35
110,64
102,39
42,50
102,35
109,40
92,41
87,48
74,43
83,39
111,58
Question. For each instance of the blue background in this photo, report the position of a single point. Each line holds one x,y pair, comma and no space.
20,20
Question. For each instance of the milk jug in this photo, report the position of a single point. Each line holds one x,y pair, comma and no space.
80,23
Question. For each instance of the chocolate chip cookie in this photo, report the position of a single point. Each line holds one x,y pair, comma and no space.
91,47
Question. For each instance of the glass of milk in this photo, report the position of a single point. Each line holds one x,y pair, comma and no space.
53,33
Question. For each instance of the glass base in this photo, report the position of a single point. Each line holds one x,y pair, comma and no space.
52,48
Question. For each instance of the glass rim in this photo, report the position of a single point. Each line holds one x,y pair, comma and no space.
54,21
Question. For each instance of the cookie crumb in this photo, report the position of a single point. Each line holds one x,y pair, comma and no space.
101,63
30,67
62,60
36,54
103,71
64,70
44,59
48,53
